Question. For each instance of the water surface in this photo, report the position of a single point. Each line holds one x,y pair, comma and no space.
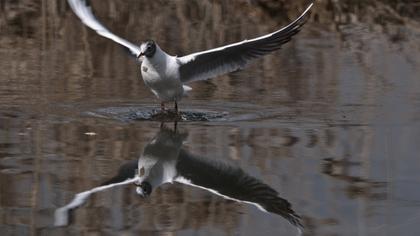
330,122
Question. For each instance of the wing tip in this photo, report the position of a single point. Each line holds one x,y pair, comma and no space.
308,8
305,12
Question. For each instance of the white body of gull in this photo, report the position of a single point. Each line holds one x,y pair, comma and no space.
167,75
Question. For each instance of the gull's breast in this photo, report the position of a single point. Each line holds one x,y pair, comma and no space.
167,87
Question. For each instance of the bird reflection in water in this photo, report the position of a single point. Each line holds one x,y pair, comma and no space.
164,160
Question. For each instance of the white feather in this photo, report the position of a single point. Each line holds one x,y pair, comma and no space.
84,12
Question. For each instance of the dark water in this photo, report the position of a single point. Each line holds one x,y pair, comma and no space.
330,124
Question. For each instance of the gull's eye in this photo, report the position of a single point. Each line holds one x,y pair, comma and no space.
146,187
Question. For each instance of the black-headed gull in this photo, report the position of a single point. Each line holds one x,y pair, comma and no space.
165,160
167,75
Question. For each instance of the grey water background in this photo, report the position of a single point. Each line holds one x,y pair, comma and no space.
331,121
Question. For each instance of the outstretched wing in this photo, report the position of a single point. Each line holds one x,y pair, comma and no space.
83,10
211,63
232,183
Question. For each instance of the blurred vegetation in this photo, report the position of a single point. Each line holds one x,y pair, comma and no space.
19,16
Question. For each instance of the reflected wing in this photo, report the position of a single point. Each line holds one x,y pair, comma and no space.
62,215
218,61
125,176
232,183
82,9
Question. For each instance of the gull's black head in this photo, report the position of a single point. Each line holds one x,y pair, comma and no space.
144,189
148,48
